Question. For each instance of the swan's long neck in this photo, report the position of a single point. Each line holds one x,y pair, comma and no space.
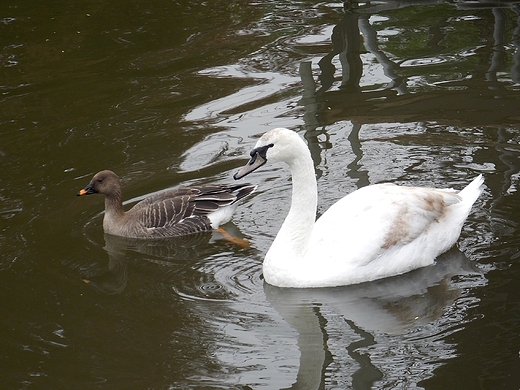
293,237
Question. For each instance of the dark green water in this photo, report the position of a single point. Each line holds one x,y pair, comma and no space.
173,93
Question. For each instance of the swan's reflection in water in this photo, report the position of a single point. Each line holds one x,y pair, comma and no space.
390,306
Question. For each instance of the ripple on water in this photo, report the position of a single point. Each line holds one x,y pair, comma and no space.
226,276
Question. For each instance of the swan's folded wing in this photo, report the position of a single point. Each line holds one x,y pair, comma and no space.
414,210
377,218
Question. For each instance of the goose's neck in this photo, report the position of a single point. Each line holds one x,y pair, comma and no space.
113,209
297,228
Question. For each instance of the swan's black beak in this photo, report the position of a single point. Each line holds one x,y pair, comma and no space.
258,158
254,163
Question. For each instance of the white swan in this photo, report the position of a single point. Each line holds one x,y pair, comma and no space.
375,232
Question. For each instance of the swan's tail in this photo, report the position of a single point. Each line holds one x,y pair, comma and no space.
460,211
472,191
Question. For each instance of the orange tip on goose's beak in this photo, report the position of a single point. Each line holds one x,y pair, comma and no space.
89,189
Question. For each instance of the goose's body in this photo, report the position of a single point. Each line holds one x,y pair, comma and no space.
169,213
375,232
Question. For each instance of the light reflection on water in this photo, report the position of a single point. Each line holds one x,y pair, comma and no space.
415,95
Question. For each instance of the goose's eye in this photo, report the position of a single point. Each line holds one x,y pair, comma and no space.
100,180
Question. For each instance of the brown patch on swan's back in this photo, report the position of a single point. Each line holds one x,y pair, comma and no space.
399,230
414,215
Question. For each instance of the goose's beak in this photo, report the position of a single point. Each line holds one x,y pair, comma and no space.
254,163
88,190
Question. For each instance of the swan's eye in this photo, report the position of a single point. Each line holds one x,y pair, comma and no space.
261,151
100,180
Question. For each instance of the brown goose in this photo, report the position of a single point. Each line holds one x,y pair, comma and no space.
166,214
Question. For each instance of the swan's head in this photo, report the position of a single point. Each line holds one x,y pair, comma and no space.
276,145
104,182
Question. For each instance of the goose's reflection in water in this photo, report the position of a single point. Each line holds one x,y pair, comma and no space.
114,280
173,254
390,306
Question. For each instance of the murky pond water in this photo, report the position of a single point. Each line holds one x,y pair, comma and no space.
169,94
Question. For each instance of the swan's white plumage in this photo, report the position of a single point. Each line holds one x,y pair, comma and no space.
375,232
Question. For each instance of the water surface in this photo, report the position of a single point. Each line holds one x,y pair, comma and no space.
170,94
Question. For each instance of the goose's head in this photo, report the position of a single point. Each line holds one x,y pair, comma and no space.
276,145
104,182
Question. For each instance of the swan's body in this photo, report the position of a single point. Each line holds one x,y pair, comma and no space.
169,213
375,232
